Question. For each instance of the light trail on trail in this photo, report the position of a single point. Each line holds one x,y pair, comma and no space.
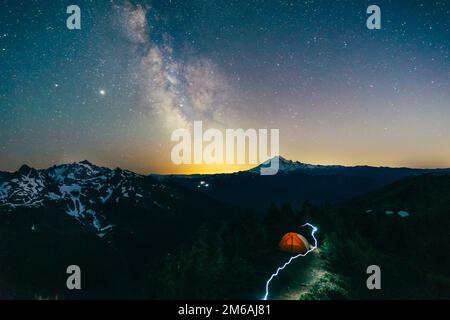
314,229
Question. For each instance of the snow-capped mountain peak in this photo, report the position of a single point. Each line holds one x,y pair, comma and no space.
287,166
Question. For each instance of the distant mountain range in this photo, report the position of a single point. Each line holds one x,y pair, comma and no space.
88,193
95,198
294,183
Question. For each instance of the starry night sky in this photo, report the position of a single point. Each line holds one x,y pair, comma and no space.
113,91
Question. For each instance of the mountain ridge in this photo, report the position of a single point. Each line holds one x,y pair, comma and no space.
285,165
88,194
294,183
82,188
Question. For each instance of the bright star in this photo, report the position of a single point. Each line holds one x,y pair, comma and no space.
102,92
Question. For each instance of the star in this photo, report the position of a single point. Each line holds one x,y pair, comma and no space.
102,92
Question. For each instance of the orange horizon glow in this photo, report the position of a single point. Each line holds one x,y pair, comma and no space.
155,167
223,169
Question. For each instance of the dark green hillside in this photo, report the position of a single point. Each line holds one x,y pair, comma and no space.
411,251
426,194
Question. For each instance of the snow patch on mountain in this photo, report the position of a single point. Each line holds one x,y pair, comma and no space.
109,194
53,196
403,214
4,190
288,166
68,189
77,210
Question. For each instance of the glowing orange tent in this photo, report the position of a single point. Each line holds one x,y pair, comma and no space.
294,243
